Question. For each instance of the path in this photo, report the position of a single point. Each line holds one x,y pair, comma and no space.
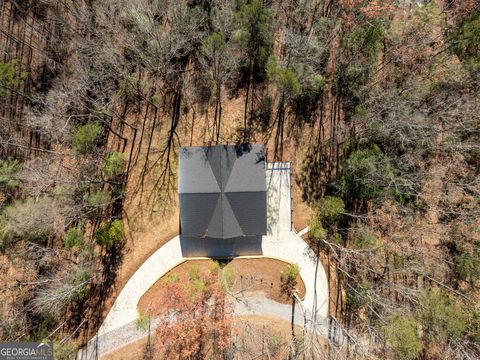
281,243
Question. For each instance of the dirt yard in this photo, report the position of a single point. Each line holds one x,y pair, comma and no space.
301,211
260,276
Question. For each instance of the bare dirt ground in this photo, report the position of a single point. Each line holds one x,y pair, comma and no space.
145,242
258,276
301,211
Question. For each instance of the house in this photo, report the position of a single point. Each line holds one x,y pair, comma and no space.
222,197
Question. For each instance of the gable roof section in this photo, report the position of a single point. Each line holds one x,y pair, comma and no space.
222,191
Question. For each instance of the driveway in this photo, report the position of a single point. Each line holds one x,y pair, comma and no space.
281,243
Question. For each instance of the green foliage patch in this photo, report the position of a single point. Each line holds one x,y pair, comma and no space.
73,237
79,280
331,209
365,175
441,316
467,265
291,271
317,231
109,233
65,350
465,43
402,333
11,77
288,279
86,138
213,44
8,168
364,238
254,33
285,78
99,199
358,296
142,321
228,276
114,164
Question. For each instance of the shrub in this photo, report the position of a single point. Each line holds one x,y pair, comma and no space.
465,43
364,238
331,208
289,279
141,323
317,231
155,99
171,278
79,279
65,351
337,238
196,278
291,271
54,297
30,220
357,296
274,343
74,237
441,316
109,233
135,21
10,77
194,272
228,276
364,174
402,333
86,138
475,326
299,344
4,233
7,170
99,199
130,86
114,164
467,266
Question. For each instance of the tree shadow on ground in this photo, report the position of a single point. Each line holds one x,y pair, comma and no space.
88,315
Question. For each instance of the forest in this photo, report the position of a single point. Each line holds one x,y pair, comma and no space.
375,103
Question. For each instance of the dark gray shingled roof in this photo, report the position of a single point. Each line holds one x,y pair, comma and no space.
222,191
